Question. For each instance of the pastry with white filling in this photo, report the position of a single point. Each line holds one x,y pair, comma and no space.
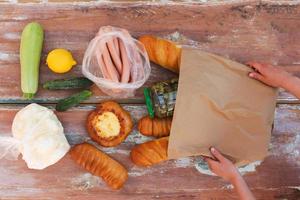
109,124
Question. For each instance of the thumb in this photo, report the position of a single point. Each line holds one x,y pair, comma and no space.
216,154
256,76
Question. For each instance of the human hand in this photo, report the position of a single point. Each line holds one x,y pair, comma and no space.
222,166
269,74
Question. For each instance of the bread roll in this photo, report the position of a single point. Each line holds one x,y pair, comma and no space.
162,52
150,153
156,127
109,124
99,164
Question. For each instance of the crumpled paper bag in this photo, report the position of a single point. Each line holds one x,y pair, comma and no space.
218,105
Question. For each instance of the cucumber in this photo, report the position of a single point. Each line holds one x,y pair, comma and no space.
30,55
71,83
73,100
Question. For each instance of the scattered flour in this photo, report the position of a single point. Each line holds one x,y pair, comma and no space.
137,171
176,36
183,162
289,148
116,150
183,40
228,187
137,138
20,17
295,187
141,171
11,36
4,56
86,181
8,56
249,168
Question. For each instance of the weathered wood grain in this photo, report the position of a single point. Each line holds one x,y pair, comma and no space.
277,177
247,30
241,30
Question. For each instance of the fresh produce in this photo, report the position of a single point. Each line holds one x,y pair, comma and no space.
162,52
30,55
161,98
71,83
109,124
156,127
73,100
60,60
39,136
99,164
150,153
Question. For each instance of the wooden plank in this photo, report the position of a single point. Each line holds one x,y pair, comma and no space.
277,177
248,30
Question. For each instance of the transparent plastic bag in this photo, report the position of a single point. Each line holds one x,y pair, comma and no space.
139,63
9,148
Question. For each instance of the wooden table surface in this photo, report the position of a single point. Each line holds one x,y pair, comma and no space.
266,31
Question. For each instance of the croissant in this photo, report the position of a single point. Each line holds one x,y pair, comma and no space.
162,52
156,127
150,153
99,164
109,124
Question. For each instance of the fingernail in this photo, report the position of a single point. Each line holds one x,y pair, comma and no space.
251,75
213,150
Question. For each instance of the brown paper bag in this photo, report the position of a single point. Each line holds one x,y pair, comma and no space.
218,105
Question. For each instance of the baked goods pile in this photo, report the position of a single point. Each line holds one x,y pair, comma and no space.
110,124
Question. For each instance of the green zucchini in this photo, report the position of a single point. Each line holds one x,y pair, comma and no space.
30,55
71,83
73,100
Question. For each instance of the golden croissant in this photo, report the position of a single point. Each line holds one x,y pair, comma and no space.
150,153
162,52
99,164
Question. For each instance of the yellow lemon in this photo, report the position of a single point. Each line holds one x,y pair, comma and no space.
60,60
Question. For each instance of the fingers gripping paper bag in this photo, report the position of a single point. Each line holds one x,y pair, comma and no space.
219,105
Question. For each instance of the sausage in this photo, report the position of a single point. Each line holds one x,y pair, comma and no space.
116,43
102,67
114,54
111,69
126,68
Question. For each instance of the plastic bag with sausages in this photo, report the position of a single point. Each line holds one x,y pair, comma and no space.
117,63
